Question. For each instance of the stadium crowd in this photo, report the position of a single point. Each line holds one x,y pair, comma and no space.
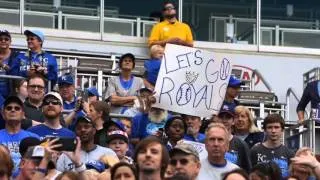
58,135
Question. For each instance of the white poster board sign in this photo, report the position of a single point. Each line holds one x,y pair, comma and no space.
192,81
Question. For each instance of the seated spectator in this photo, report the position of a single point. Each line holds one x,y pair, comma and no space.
185,160
36,60
238,152
113,125
170,30
127,122
237,174
12,135
152,158
6,165
8,58
193,128
232,92
304,165
152,66
263,171
52,109
86,131
118,141
174,129
21,89
122,89
67,90
123,170
245,128
151,123
217,144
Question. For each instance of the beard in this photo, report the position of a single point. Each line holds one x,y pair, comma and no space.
191,131
157,116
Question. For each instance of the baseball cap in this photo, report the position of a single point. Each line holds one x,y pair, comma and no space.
84,119
66,79
185,148
93,91
37,33
54,94
234,82
109,123
117,135
227,110
26,143
96,165
35,153
14,99
5,32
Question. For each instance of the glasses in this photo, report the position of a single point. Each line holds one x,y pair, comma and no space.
10,108
168,8
36,86
182,161
52,101
4,39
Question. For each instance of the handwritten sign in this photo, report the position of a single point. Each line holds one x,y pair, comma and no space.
200,147
192,81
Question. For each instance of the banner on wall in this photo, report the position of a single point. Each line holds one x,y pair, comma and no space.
192,81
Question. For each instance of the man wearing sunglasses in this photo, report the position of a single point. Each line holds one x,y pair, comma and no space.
36,60
12,135
170,30
185,160
52,108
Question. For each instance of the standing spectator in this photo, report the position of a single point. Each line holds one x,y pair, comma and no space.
122,89
238,152
185,160
118,141
12,135
217,144
170,30
67,90
7,59
272,149
52,108
310,94
36,60
33,104
232,92
86,131
152,66
193,128
21,89
175,129
152,158
245,128
123,170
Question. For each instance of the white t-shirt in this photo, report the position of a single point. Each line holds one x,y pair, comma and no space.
65,164
209,171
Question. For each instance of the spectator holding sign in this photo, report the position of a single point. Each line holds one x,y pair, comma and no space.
217,144
272,149
122,89
170,30
231,93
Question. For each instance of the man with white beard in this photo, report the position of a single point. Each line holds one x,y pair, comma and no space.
193,127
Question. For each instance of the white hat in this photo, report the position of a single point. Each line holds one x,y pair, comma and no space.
54,94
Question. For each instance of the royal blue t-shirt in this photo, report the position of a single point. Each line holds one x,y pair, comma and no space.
152,68
44,131
70,105
200,137
12,141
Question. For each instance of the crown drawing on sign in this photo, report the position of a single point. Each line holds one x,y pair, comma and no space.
191,77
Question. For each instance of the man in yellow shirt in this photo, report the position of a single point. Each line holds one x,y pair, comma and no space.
170,30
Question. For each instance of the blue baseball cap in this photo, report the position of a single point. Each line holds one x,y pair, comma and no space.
96,165
235,82
116,123
37,33
93,91
227,109
65,79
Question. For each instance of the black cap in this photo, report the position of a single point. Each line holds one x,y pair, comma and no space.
12,99
26,143
5,32
84,119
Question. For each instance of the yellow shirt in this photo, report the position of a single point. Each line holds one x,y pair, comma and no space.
166,30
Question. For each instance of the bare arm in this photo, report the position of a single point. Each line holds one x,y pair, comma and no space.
147,84
300,116
118,100
308,160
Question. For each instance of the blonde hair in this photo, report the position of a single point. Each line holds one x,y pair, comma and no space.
155,48
217,125
252,127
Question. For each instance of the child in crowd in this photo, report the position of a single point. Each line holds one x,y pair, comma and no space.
152,66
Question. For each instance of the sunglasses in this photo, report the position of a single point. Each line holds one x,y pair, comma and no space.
52,101
4,39
36,86
168,8
182,161
10,108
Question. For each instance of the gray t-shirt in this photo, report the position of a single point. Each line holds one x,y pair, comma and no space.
65,164
209,171
115,88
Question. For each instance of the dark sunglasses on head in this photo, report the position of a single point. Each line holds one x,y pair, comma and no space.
182,161
52,101
4,39
168,8
10,108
